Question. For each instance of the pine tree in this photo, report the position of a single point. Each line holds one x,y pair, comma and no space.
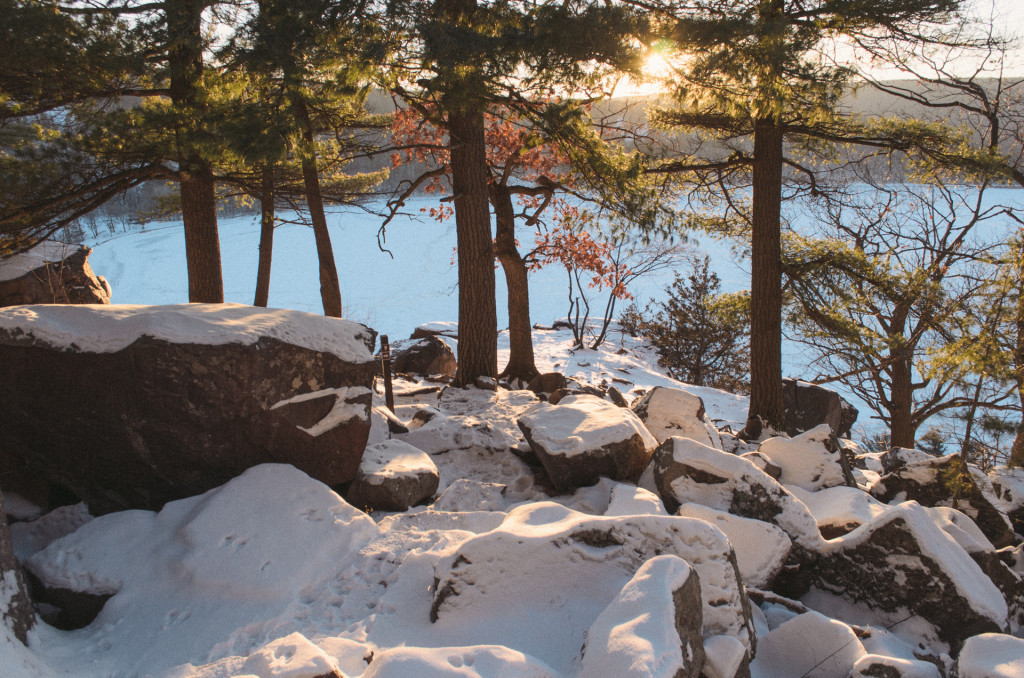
702,336
461,58
755,70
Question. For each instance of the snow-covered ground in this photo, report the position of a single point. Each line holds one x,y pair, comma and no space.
275,575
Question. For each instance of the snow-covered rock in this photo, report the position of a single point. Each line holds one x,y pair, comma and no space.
839,510
687,471
584,437
991,655
293,656
51,273
668,412
902,564
898,457
652,629
761,548
811,460
809,645
393,475
579,563
34,535
948,481
428,355
478,661
809,405
133,406
1008,486
206,575
16,614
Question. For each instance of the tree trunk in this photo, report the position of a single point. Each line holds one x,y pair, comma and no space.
766,283
1017,451
330,288
15,608
478,318
520,360
198,199
267,218
902,429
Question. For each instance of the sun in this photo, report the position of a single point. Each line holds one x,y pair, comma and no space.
656,66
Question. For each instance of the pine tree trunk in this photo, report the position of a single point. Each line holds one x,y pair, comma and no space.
902,430
15,608
330,288
198,198
478,318
521,363
766,283
267,218
1017,451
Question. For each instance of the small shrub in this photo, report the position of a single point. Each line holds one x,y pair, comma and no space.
702,336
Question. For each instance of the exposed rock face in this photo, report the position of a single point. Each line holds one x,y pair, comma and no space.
393,476
15,608
51,273
429,355
130,420
582,562
661,604
674,412
807,406
583,438
948,481
900,562
1008,582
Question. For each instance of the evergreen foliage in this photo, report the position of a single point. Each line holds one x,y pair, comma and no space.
702,336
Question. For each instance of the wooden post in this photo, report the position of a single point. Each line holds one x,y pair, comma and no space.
385,368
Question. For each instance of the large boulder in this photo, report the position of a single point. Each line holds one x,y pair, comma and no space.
809,645
901,563
579,563
51,273
393,475
662,605
428,355
133,406
668,412
584,437
808,405
948,481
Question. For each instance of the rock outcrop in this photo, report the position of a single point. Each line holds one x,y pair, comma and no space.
131,407
15,609
51,273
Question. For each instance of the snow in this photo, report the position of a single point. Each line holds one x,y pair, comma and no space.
102,328
481,661
1008,484
840,506
811,646
991,655
636,635
804,460
32,536
206,577
761,548
343,410
47,251
394,459
583,423
673,412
